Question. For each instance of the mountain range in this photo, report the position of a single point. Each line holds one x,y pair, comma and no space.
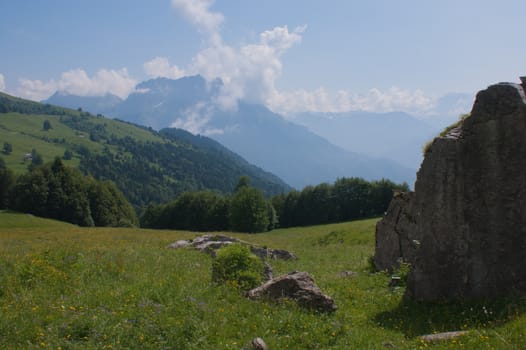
294,150
146,165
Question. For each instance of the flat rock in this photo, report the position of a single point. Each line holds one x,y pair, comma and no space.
211,243
179,244
432,338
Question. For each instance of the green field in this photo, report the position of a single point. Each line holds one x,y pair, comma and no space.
25,133
65,287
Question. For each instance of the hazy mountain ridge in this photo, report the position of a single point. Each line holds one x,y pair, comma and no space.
395,135
266,139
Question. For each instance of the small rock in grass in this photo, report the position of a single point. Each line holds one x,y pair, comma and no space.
431,338
256,344
348,274
179,244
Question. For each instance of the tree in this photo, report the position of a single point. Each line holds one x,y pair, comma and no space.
108,205
6,183
244,181
8,148
47,125
249,211
36,158
67,155
59,192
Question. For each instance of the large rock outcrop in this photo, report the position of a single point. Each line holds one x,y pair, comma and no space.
463,230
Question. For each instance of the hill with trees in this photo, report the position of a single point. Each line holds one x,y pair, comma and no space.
146,165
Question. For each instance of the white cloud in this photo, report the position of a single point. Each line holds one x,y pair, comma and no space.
35,90
394,99
160,67
198,12
77,82
280,38
249,72
375,100
2,83
195,120
319,100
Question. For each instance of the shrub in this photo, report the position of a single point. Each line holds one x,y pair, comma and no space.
235,265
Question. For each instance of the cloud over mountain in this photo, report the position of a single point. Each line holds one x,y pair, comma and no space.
160,67
77,82
250,72
2,82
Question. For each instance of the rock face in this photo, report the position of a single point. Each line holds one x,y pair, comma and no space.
298,286
463,230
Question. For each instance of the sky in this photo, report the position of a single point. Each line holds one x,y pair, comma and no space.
291,55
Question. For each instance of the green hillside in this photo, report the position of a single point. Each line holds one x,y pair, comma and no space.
147,166
62,286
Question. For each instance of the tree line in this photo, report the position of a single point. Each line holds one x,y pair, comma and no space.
55,191
347,199
247,210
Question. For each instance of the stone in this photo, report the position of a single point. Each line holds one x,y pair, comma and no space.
268,272
179,244
298,286
280,254
256,344
463,229
344,274
211,243
433,338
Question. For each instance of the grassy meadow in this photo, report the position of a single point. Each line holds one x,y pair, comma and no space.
66,287
25,133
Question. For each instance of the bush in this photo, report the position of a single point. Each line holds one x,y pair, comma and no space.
235,265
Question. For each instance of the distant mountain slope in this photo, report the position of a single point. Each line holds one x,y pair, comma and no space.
395,135
299,156
266,139
159,102
95,104
145,165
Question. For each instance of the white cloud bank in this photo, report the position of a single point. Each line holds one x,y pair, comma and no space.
77,82
249,72
160,67
195,120
198,13
2,82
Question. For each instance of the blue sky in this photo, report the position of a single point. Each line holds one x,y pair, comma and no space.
292,55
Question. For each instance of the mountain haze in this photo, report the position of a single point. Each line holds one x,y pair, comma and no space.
396,135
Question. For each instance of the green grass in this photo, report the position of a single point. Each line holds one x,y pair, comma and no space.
24,132
67,287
